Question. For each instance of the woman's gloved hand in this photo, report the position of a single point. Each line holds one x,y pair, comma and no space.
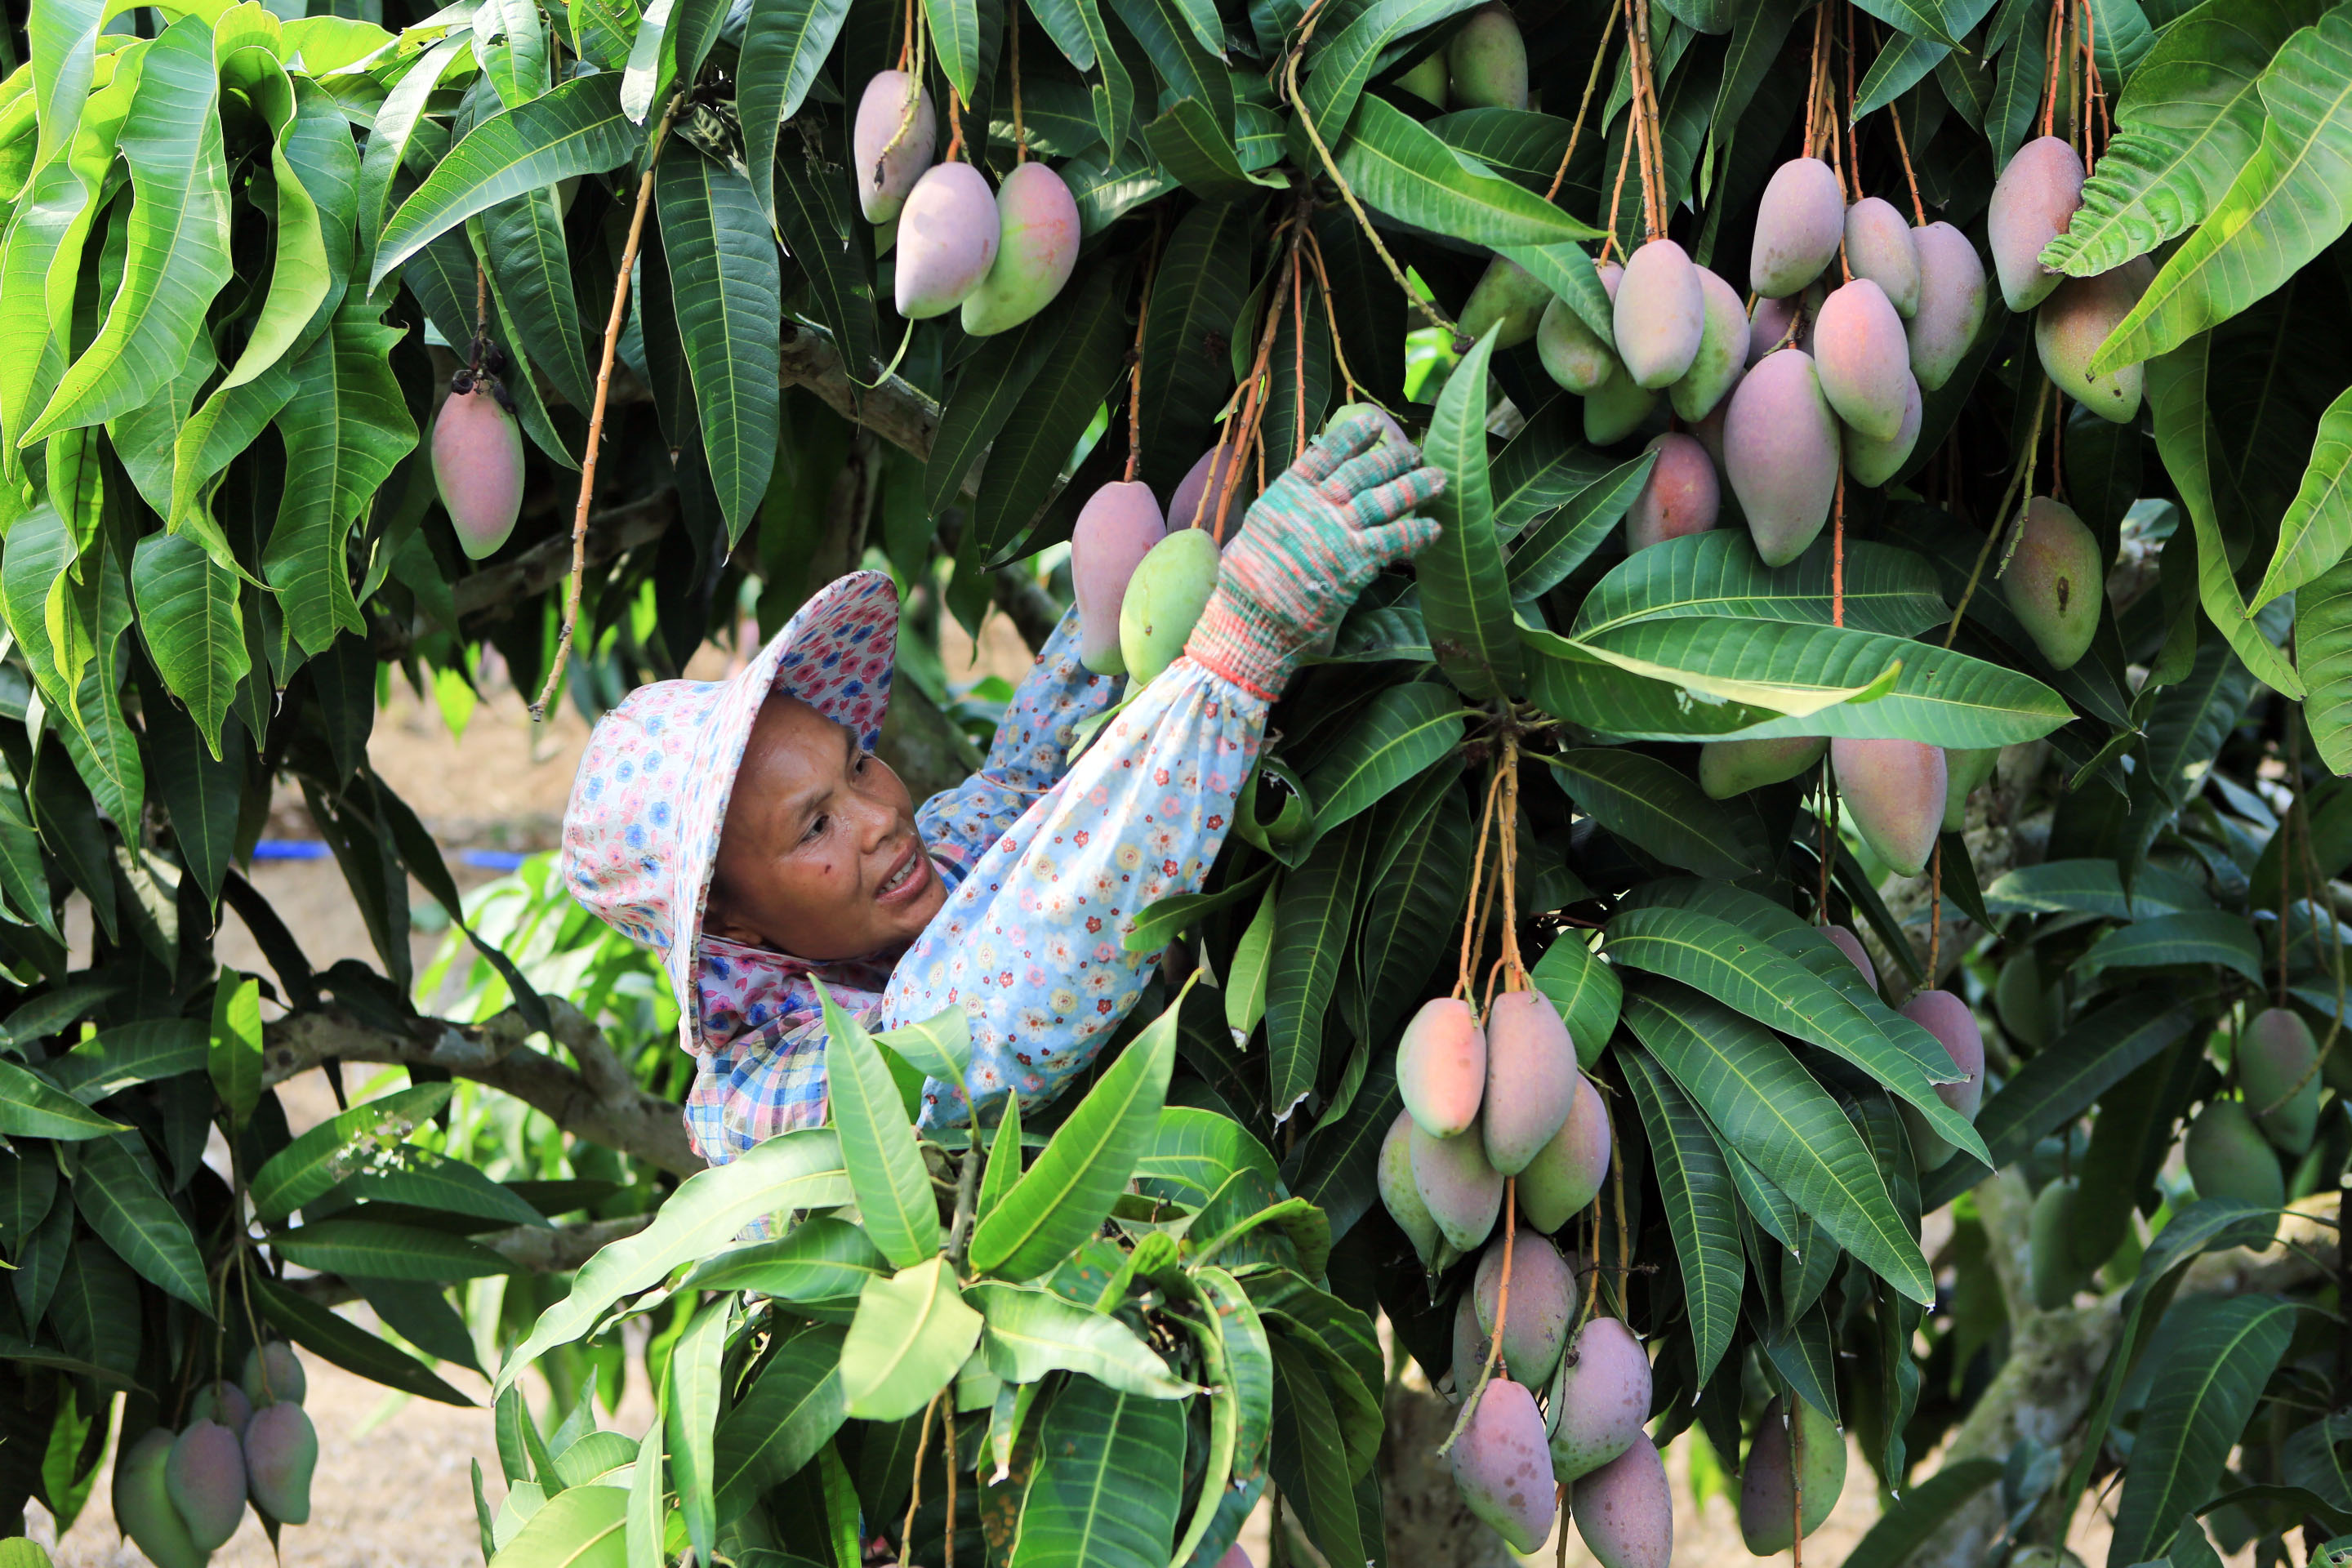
1308,546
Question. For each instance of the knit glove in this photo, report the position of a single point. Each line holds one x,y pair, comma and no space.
1307,547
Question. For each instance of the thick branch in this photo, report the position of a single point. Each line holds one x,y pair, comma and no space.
598,1100
1027,606
535,1250
896,410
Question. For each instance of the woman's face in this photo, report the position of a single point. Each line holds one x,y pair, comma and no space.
819,857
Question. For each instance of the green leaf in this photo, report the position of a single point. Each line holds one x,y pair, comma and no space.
878,1144
938,1047
1718,573
1033,445
1310,1468
1196,302
22,874
1413,898
785,46
2198,936
823,1259
341,1147
911,1332
373,1249
316,1328
580,1527
117,1195
789,1413
1923,18
2323,641
1004,1168
1586,990
1702,1207
141,1051
409,1173
234,1053
1160,923
1404,171
726,280
193,630
1312,925
1402,732
2093,888
816,217
1194,1153
2284,205
522,243
1062,1198
1190,144
955,32
575,129
1926,1507
1345,60
1647,802
1464,601
31,1106
2317,528
1769,1109
696,1395
2198,1402
1567,539
1032,1333
1106,1483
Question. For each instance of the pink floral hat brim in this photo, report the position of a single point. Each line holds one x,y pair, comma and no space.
642,828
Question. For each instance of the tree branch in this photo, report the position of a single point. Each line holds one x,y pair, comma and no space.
1028,606
598,1100
536,1249
897,411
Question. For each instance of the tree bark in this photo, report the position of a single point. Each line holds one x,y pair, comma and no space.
534,1248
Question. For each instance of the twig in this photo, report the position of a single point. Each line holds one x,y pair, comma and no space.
1462,987
613,321
1592,81
1298,351
915,1495
1829,851
1617,1186
1020,127
1837,551
1903,151
1331,317
1796,1482
1936,912
1502,1315
2001,513
1853,131
2050,54
1135,359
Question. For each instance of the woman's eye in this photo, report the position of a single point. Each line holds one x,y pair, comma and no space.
863,758
816,830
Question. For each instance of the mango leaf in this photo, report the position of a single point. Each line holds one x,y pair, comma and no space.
1100,1493
118,1197
338,1339
2093,887
1403,732
1419,892
878,1144
409,1173
1194,1153
690,1409
32,1107
1190,144
911,1332
522,243
1584,988
2284,206
1031,1332
1465,601
790,1413
373,1249
727,283
1033,446
194,631
1702,1207
580,1527
1196,302
397,119
2198,1402
2322,641
785,46
233,1051
2317,528
63,39
1542,559
1399,168
1717,573
1345,60
1646,802
1312,925
1060,1200
823,1259
141,1051
1925,18
1926,1507
2196,936
340,1147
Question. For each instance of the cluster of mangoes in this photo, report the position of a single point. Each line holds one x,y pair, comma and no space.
478,462
999,256
1482,65
180,1496
1900,793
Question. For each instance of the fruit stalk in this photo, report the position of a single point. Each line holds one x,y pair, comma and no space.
2023,475
1135,360
1502,1315
1910,175
1576,128
923,1441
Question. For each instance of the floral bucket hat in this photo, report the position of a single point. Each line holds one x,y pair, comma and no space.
641,830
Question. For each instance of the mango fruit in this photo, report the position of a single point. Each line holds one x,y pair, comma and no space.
142,1504
1727,768
1769,324
1799,223
947,240
1709,433
1442,1066
1863,358
1235,1557
2051,1268
1399,1196
1894,790
1194,503
2276,1058
1722,355
887,161
1567,1172
1946,1016
1624,1512
205,1476
1599,1399
1681,495
1879,246
1426,81
1116,530
1572,353
1531,1078
478,466
2028,1009
2075,320
1659,314
1767,1482
1506,296
2033,202
2228,1156
1486,62
2056,581
1469,1345
1871,461
1036,247
272,1372
1616,408
223,1402
1544,1304
281,1449
1780,453
1389,428
1846,942
1461,1191
1501,1469
1164,598
1951,303
1965,767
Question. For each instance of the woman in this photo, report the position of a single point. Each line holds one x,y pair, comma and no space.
745,829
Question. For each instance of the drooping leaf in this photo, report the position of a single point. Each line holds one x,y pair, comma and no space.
789,1413
725,281
2317,529
1701,1207
1401,733
522,243
1031,1332
1102,1491
374,1249
340,1147
911,1332
1647,802
2193,937
1466,602
117,1197
2323,641
193,628
1567,539
785,46
1313,923
1400,168
2199,1403
878,1144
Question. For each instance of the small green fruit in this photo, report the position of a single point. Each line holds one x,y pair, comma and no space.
1164,600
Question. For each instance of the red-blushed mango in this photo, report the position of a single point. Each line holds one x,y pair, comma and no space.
203,1475
1965,767
1879,246
1722,354
1462,1190
142,1504
1036,247
1770,326
1873,462
2033,202
2276,1058
1681,495
281,1449
272,1372
1426,81
1951,303
1798,223
1469,1345
1659,314
1894,790
1954,1026
1863,358
223,1402
1599,1400
478,468
1235,1557
1543,1304
1567,1172
1780,453
891,147
1164,599
2227,1157
1500,1465
1399,1196
1486,62
2056,581
1727,768
1624,1509
1709,435
1116,530
1616,409
1194,504
1442,1066
947,240
1846,942
1572,353
2049,1267
2074,320
1767,1482
1531,1078
1507,296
